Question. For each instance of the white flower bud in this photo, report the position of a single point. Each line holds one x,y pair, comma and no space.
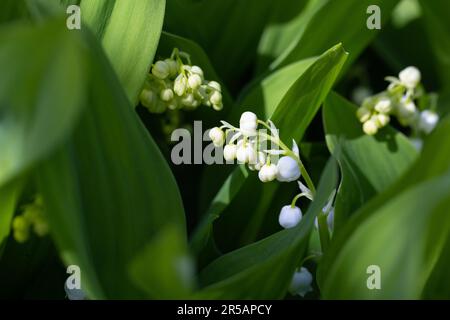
301,282
215,85
217,107
406,111
428,121
246,153
410,77
197,70
289,216
248,123
363,114
288,169
161,70
229,152
384,105
216,98
382,120
188,100
268,172
173,67
180,85
147,98
217,136
194,81
370,127
166,95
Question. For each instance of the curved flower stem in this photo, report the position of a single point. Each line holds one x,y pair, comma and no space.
291,154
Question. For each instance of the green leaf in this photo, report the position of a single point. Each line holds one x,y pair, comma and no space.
293,115
106,187
163,268
369,164
129,31
38,114
404,238
326,22
410,233
263,270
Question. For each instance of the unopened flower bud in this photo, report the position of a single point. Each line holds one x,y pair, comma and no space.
166,95
384,105
410,77
180,85
194,81
428,121
197,70
161,70
382,120
215,85
370,127
217,136
245,153
248,123
173,67
289,216
268,172
301,282
288,169
229,152
216,98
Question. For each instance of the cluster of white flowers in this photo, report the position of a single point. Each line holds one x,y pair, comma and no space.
398,100
173,84
246,145
31,218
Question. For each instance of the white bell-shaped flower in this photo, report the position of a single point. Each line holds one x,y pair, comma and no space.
166,94
215,85
288,169
268,172
301,282
384,105
229,152
217,136
246,153
370,127
173,67
289,216
248,123
161,70
194,81
428,121
197,70
180,85
410,77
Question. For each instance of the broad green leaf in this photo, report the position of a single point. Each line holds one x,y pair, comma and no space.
129,31
369,164
435,14
412,207
404,238
263,270
292,116
38,114
106,187
154,267
329,22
